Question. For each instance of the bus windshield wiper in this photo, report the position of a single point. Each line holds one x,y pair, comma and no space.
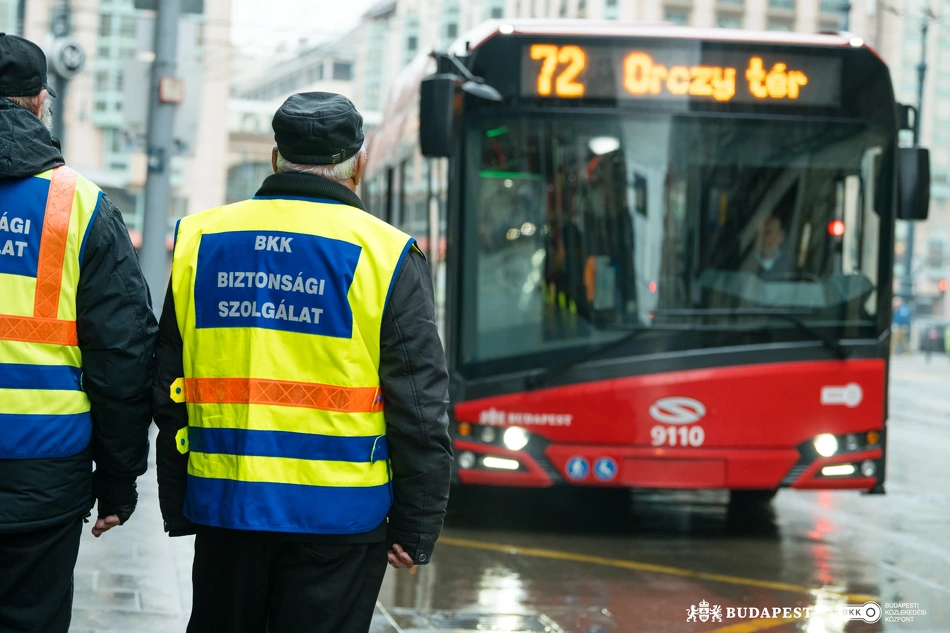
794,318
538,380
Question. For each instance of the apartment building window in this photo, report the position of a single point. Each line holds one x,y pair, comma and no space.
102,80
782,5
104,52
411,38
495,9
315,73
113,139
831,6
343,71
127,27
678,17
610,10
729,22
105,25
450,23
732,2
781,25
100,106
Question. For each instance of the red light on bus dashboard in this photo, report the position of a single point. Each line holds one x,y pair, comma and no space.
836,228
640,72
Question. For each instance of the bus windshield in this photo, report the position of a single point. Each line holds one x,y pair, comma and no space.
580,228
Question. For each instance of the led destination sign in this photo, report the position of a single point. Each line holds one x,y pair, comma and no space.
637,72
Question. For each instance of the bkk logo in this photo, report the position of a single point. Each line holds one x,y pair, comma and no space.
677,410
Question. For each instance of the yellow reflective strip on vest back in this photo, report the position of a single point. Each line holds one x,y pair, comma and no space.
43,402
260,417
284,470
84,204
18,294
21,353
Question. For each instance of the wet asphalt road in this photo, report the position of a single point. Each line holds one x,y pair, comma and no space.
585,565
538,562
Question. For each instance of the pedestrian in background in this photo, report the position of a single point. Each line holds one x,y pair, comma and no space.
76,342
301,392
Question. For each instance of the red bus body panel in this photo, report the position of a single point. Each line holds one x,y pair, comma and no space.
755,418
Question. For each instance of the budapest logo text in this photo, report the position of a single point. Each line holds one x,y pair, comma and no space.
715,613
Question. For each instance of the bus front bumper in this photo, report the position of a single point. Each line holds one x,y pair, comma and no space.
647,467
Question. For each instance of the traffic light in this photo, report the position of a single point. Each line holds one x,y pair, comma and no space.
942,285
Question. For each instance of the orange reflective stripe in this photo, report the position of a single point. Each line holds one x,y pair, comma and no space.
49,272
31,330
283,392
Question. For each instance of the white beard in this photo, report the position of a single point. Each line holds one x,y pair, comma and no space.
46,115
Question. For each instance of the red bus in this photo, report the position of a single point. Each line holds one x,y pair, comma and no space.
668,252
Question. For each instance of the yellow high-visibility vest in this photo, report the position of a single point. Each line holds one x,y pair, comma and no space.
44,223
280,304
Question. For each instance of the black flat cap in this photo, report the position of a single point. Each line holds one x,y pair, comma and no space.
318,128
22,68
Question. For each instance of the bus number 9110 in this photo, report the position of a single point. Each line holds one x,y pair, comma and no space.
677,435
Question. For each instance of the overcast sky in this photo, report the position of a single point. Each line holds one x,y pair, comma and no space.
264,24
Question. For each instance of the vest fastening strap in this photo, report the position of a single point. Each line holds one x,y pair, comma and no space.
279,392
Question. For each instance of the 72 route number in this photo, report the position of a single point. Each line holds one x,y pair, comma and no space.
677,435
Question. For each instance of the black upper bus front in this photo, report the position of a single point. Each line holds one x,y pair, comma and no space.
667,203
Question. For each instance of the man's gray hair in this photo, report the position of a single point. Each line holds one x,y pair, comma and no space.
31,103
340,172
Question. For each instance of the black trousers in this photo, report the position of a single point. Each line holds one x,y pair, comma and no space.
36,579
244,583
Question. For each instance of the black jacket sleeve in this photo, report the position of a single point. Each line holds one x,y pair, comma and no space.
415,381
170,417
116,330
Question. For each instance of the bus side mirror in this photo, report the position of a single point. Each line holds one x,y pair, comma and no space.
437,115
913,183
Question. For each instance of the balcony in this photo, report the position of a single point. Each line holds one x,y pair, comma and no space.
782,5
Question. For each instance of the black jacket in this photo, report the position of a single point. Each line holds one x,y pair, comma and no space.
415,389
116,338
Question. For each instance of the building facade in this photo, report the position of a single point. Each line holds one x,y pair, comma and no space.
326,67
104,109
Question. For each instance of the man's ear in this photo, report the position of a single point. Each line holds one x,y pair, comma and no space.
360,166
39,100
273,159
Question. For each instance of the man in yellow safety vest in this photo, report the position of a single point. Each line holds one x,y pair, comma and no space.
77,335
301,392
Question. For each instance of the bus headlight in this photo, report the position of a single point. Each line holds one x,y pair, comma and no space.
515,438
826,444
868,468
467,460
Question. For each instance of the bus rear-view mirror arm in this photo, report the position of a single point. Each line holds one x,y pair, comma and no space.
439,108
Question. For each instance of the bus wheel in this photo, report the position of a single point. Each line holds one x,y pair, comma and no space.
751,497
